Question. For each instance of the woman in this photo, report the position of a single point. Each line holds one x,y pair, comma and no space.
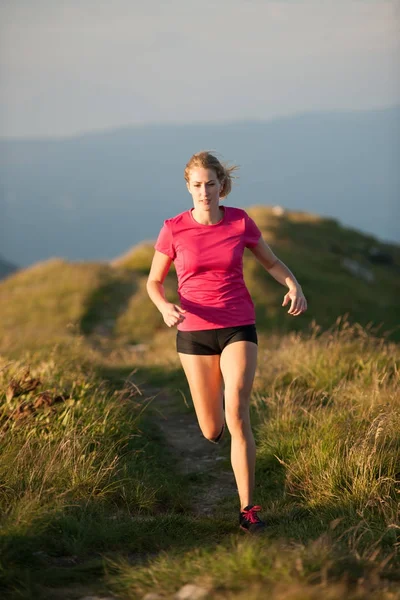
216,338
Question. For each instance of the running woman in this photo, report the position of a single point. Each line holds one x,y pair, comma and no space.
216,333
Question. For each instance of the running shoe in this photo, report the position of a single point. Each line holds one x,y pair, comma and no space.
249,520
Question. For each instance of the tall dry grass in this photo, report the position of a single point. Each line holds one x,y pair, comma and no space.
326,415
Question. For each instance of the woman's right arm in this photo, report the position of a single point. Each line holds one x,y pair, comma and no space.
172,313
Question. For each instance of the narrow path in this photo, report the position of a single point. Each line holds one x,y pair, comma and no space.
194,453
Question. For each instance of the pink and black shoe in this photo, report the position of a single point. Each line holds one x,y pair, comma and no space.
249,520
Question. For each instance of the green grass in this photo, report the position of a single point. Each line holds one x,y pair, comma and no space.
239,568
328,464
90,495
77,477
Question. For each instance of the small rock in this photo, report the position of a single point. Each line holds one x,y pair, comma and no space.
151,596
279,211
191,592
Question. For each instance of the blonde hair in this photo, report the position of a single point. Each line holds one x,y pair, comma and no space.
206,160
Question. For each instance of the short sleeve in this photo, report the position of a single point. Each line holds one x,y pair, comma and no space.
251,232
164,241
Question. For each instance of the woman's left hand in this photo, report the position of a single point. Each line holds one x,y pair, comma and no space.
298,301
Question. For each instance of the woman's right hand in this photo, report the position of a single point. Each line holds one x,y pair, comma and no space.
172,314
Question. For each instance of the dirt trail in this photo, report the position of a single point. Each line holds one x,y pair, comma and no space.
193,452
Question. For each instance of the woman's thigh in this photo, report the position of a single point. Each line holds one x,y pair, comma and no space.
206,387
238,364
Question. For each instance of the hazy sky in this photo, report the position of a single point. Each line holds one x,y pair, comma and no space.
81,65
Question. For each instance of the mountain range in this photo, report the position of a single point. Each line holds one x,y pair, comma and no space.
93,196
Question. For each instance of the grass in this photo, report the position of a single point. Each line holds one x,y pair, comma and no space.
328,478
245,568
91,497
89,493
77,476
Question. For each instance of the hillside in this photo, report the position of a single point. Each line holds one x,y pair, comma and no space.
109,488
342,272
119,185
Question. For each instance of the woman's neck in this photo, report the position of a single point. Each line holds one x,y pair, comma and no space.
208,217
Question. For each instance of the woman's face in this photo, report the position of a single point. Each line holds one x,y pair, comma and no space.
204,187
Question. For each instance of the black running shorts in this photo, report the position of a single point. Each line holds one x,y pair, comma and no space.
213,341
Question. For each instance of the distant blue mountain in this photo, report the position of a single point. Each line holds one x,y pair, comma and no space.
6,268
93,196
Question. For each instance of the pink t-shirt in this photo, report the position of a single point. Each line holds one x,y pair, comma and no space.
209,266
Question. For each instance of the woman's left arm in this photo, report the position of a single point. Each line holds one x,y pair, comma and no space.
283,274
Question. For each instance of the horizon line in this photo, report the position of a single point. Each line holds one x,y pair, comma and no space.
153,124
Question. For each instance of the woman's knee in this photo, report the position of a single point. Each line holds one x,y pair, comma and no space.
214,433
